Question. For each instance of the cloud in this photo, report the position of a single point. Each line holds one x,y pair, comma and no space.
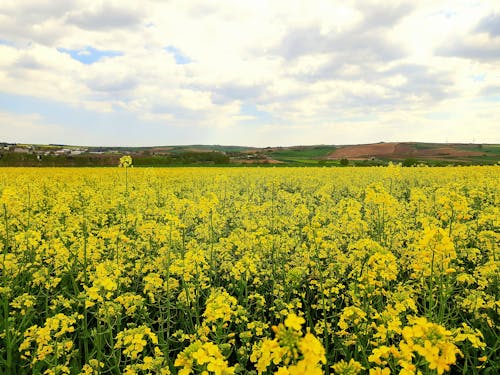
237,67
490,24
106,16
30,127
491,90
385,14
360,40
28,61
421,81
232,91
37,21
476,47
37,10
345,47
479,42
111,84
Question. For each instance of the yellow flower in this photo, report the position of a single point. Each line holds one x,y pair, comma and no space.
134,340
295,322
312,350
221,307
203,356
380,371
352,367
125,161
269,352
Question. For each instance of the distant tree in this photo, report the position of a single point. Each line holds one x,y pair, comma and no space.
344,161
410,162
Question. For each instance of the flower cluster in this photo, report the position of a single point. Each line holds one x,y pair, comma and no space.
203,358
274,270
125,161
292,351
134,340
50,346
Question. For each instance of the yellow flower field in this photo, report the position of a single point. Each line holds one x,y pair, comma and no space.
384,270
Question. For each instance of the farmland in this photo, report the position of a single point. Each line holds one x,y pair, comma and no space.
376,154
373,270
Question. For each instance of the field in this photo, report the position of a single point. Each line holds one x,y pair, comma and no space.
429,153
376,270
376,154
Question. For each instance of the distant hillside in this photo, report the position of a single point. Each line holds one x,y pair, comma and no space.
409,153
457,152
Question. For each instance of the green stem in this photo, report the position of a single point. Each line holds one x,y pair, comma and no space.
85,277
8,339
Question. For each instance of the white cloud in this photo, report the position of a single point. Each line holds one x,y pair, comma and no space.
303,64
29,127
107,15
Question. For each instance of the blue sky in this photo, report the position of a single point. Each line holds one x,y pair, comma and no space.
179,57
257,73
89,55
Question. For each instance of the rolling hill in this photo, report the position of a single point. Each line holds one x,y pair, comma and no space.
409,153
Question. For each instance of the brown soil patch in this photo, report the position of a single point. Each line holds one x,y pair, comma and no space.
399,151
160,150
364,151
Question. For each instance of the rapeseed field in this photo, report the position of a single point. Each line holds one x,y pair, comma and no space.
383,270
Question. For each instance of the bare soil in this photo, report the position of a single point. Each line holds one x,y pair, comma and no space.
395,150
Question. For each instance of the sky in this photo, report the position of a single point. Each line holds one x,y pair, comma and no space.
250,73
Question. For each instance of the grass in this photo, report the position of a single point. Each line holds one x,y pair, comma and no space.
303,153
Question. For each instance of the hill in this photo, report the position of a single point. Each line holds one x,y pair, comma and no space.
424,151
408,153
